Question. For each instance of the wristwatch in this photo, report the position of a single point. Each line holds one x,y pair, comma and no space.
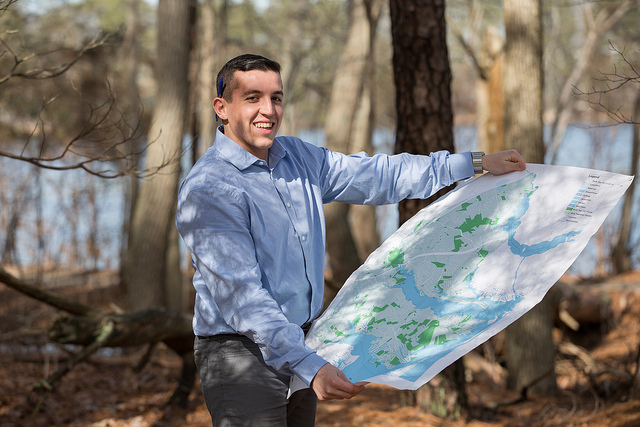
476,159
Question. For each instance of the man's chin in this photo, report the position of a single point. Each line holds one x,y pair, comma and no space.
265,141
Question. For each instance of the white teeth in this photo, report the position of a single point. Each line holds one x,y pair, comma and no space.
264,125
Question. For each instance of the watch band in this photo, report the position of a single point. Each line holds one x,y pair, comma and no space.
476,160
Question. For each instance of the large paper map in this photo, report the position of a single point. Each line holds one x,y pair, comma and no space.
460,271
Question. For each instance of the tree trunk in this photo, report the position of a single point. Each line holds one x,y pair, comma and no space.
523,78
348,129
422,78
364,224
347,84
152,219
126,90
206,89
290,62
529,342
425,124
491,96
486,53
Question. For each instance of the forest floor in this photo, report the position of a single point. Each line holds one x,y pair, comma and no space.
595,382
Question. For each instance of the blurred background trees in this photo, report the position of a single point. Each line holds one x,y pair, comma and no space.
117,88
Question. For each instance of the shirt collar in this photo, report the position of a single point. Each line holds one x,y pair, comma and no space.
241,158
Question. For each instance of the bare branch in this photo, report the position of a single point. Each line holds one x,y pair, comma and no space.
105,138
608,84
47,72
4,4
482,69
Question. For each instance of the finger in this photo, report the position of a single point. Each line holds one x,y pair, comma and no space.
331,392
343,394
331,383
516,165
346,386
516,158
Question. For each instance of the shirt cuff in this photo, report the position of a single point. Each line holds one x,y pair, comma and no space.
461,166
309,367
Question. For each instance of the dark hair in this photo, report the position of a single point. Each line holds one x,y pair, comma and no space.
226,81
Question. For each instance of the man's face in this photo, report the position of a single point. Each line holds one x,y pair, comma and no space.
253,116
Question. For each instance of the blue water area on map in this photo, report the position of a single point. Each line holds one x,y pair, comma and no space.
442,307
523,250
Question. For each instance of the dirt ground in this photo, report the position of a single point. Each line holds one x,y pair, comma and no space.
596,382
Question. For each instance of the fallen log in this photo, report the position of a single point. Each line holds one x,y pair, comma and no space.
94,328
49,298
578,306
129,329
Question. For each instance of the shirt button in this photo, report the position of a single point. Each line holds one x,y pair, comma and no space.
303,238
288,204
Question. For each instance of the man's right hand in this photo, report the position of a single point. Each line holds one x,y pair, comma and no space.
330,383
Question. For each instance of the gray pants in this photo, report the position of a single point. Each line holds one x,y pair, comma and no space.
241,390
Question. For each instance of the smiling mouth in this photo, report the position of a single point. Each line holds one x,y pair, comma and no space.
264,125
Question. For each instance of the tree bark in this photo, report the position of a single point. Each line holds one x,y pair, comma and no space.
425,124
422,78
523,78
146,272
530,345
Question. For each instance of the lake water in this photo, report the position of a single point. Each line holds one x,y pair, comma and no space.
70,206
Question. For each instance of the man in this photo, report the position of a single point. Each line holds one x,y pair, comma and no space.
250,213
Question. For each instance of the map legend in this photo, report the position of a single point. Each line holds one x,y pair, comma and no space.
587,199
576,198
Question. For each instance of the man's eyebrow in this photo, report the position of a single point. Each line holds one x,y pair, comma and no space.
256,91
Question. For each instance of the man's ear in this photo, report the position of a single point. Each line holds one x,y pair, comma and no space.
220,107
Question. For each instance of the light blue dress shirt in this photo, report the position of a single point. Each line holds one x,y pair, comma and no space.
256,233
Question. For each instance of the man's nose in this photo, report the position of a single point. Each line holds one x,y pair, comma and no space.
267,107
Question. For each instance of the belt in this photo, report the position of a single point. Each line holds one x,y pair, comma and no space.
305,328
219,337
